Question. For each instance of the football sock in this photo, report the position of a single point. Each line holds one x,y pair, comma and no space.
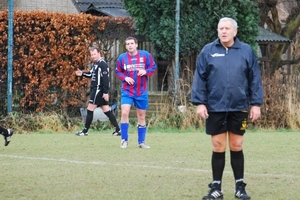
239,180
141,133
112,120
88,121
218,164
124,131
237,164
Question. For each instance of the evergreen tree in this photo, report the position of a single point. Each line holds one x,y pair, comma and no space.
155,19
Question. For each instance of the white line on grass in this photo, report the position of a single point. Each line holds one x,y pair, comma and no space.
137,165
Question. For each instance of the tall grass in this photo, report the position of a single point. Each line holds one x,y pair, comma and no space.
281,103
51,121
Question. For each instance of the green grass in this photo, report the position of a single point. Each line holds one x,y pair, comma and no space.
65,167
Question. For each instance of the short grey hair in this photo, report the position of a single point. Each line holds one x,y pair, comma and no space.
234,23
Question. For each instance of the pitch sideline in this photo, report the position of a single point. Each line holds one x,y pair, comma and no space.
137,165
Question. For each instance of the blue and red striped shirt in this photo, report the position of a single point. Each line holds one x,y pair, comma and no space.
129,66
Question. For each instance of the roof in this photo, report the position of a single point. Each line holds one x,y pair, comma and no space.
269,36
112,8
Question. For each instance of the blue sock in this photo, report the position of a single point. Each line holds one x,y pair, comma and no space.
141,133
124,131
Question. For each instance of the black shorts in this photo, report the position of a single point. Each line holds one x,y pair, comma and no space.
220,122
96,97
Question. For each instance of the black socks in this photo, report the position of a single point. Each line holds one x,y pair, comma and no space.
218,164
237,164
113,120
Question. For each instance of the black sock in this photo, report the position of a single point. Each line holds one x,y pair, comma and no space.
112,120
88,121
218,164
237,164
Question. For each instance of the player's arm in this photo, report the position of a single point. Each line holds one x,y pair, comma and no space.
79,72
150,65
120,72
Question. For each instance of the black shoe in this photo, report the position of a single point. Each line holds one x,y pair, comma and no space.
214,192
240,192
116,133
80,133
7,137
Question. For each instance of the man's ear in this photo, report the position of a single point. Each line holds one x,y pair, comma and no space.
236,30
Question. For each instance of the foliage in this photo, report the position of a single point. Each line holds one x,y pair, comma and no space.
198,22
279,111
48,48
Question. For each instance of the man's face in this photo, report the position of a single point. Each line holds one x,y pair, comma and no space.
226,33
95,55
131,46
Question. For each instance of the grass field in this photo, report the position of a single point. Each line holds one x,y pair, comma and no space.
66,167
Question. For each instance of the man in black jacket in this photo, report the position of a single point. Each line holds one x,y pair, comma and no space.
99,96
227,79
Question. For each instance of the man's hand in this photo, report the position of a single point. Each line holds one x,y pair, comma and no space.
78,72
129,80
254,113
202,111
105,97
142,72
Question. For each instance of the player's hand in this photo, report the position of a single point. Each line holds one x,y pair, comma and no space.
202,111
142,72
105,97
254,113
129,80
78,72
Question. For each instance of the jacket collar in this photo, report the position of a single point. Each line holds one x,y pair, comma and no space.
236,44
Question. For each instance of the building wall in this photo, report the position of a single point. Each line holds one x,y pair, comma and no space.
65,6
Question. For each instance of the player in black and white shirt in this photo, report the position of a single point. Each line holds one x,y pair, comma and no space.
99,97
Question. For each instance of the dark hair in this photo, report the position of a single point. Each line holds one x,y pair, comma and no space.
94,46
131,38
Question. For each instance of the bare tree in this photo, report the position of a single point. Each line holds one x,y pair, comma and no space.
281,17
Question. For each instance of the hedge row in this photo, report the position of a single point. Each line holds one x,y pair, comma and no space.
48,47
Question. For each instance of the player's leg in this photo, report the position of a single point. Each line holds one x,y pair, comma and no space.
237,126
218,156
126,102
88,120
112,118
7,133
141,104
90,113
142,128
216,127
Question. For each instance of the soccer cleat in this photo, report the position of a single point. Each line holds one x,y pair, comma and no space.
124,144
240,192
144,146
116,133
7,137
213,193
80,133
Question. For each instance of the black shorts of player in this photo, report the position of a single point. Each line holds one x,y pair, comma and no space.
220,122
96,97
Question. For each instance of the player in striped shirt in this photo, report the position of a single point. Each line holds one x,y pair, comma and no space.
133,69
